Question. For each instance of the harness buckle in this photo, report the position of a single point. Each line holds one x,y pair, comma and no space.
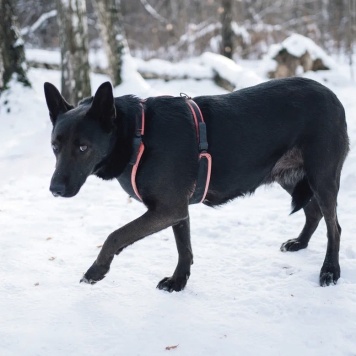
186,96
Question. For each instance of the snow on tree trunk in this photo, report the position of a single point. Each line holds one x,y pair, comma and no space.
12,54
112,33
227,34
74,49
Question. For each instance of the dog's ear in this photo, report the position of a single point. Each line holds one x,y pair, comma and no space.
55,102
103,106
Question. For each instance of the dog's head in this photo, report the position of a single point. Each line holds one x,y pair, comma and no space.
80,138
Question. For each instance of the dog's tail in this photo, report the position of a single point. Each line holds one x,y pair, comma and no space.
301,195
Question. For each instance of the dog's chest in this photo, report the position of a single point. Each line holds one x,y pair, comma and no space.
125,182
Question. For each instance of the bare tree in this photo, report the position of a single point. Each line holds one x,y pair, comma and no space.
227,34
174,29
112,33
74,49
351,35
12,54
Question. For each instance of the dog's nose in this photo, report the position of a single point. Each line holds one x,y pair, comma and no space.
57,189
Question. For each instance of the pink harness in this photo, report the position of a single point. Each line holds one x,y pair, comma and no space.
141,132
205,160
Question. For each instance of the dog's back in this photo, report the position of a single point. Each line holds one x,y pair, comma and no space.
269,132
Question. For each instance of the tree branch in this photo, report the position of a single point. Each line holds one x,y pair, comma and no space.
43,18
153,12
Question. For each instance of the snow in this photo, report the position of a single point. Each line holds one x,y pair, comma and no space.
19,42
244,296
202,67
241,31
297,45
43,56
133,83
180,70
228,69
97,59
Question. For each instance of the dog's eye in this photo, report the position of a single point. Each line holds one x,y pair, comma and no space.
54,147
83,148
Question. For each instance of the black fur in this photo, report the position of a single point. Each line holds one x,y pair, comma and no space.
301,195
290,131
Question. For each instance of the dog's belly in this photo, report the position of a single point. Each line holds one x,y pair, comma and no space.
236,180
232,186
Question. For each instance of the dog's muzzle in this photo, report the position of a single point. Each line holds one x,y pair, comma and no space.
57,189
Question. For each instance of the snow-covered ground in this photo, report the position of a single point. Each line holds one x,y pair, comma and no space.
244,296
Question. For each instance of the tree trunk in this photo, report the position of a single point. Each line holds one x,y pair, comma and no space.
74,49
351,36
227,43
12,54
112,34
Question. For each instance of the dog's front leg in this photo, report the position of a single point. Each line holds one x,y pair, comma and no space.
185,259
147,224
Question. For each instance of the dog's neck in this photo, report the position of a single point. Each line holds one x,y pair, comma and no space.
120,148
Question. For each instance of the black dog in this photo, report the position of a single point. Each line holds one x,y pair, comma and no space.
291,131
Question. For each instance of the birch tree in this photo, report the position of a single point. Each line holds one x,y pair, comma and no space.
74,49
12,54
112,34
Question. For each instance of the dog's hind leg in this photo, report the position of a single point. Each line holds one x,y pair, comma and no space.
326,193
185,259
324,158
313,216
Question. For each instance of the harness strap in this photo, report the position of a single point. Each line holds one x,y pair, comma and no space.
205,161
138,148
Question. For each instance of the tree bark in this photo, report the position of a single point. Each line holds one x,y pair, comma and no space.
112,34
227,35
12,54
351,36
74,49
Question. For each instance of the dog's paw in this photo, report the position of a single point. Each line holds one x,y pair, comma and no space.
329,275
95,274
87,281
171,284
293,245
